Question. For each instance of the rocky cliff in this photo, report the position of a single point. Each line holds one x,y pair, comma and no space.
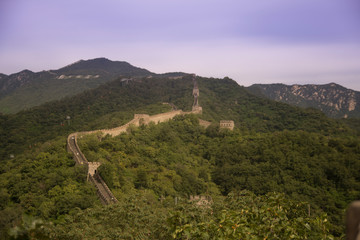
334,100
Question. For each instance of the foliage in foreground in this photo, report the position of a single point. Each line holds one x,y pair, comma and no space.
44,183
241,215
147,169
180,158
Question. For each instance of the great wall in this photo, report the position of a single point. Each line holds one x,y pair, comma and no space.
104,193
106,196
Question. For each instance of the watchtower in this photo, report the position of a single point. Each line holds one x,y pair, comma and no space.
196,107
92,167
229,124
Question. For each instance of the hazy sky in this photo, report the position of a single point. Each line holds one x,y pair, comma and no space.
251,41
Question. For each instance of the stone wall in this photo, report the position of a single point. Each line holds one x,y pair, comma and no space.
138,120
163,117
204,123
103,191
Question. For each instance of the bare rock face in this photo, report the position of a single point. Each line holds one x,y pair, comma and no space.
334,100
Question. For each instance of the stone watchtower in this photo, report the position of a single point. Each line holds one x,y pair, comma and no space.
196,107
229,124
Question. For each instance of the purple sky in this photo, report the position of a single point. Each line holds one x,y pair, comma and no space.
251,41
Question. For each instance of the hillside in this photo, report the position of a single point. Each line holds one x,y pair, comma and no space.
27,89
12,82
332,99
2,76
115,103
102,66
153,170
181,158
300,153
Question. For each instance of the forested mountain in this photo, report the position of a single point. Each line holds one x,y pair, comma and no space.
220,99
279,162
334,100
26,89
102,66
12,82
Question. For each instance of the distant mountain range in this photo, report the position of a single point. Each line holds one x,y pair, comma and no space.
334,100
26,89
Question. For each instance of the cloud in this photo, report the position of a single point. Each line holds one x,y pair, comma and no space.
250,41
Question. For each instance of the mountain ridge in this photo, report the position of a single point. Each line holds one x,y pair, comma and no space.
274,147
27,89
15,80
103,64
220,99
333,99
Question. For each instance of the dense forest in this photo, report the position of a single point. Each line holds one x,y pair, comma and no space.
114,103
284,172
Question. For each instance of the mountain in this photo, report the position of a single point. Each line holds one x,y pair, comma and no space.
221,99
102,66
334,100
2,78
275,147
27,89
10,83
